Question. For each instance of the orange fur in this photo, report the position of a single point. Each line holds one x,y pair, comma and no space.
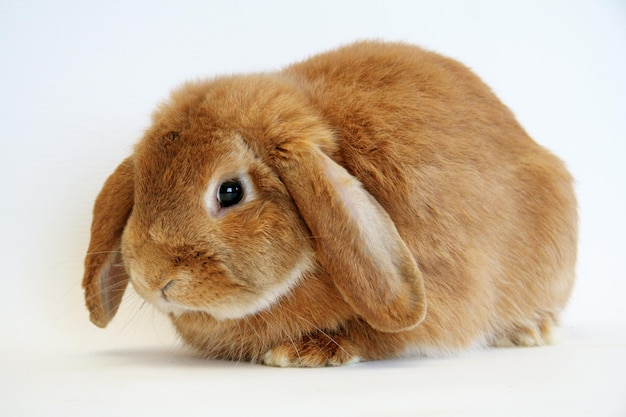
395,207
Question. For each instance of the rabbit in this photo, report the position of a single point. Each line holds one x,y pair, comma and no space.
374,201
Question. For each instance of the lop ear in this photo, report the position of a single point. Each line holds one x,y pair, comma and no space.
105,278
357,242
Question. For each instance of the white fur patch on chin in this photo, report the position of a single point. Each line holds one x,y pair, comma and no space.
265,300
168,307
231,310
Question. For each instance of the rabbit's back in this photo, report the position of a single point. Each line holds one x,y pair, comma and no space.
489,214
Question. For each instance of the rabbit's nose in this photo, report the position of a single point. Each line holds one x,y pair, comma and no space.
165,288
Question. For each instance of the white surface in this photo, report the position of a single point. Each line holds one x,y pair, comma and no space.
566,380
78,81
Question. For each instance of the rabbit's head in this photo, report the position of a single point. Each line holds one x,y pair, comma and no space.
230,200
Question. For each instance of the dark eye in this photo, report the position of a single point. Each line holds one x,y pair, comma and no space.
230,193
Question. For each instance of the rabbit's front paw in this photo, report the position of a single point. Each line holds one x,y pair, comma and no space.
538,333
319,349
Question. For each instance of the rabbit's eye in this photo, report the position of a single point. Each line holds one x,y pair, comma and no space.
230,193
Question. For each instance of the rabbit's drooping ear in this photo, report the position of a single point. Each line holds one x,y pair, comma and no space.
357,242
105,278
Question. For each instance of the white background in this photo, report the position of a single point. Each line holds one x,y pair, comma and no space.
78,81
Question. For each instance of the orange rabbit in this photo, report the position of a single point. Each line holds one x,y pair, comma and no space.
371,202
